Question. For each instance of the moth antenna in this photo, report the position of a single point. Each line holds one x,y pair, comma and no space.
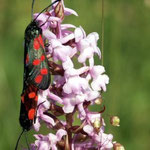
19,139
46,8
44,22
27,141
33,1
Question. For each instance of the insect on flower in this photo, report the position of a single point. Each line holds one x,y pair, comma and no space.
36,72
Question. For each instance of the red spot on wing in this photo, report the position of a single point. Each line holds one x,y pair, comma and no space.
38,79
36,98
44,71
31,95
41,40
36,44
31,114
27,59
42,58
36,62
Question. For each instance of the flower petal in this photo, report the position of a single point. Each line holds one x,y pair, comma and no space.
60,133
69,11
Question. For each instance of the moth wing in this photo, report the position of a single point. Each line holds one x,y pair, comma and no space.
36,64
29,100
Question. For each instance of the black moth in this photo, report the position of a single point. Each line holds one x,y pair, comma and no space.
36,73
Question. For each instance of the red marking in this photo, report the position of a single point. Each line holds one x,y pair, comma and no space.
42,58
27,59
36,98
40,40
31,95
36,44
36,62
44,71
38,79
31,114
22,99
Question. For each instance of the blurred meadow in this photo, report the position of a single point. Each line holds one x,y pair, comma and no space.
126,60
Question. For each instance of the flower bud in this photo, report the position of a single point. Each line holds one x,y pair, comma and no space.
115,121
97,123
118,146
59,10
98,101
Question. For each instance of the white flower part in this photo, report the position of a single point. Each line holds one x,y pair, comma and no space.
37,125
67,64
99,79
105,140
75,72
52,18
93,38
48,34
43,105
91,95
69,11
88,129
75,85
53,139
48,120
87,47
70,101
68,107
86,54
93,116
96,71
61,52
88,77
42,100
79,34
83,31
66,26
42,145
91,62
67,38
49,141
100,82
67,35
60,133
55,98
82,113
54,21
55,43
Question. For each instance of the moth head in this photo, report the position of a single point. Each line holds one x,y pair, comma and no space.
33,30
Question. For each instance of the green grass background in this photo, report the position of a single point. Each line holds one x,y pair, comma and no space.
126,59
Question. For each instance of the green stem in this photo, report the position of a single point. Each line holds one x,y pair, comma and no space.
102,37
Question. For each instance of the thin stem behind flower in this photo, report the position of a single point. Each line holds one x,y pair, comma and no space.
102,37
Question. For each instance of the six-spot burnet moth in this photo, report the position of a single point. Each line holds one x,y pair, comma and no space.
36,72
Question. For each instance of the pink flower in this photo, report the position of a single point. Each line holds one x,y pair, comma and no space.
99,79
49,141
87,47
102,140
43,104
76,84
61,52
